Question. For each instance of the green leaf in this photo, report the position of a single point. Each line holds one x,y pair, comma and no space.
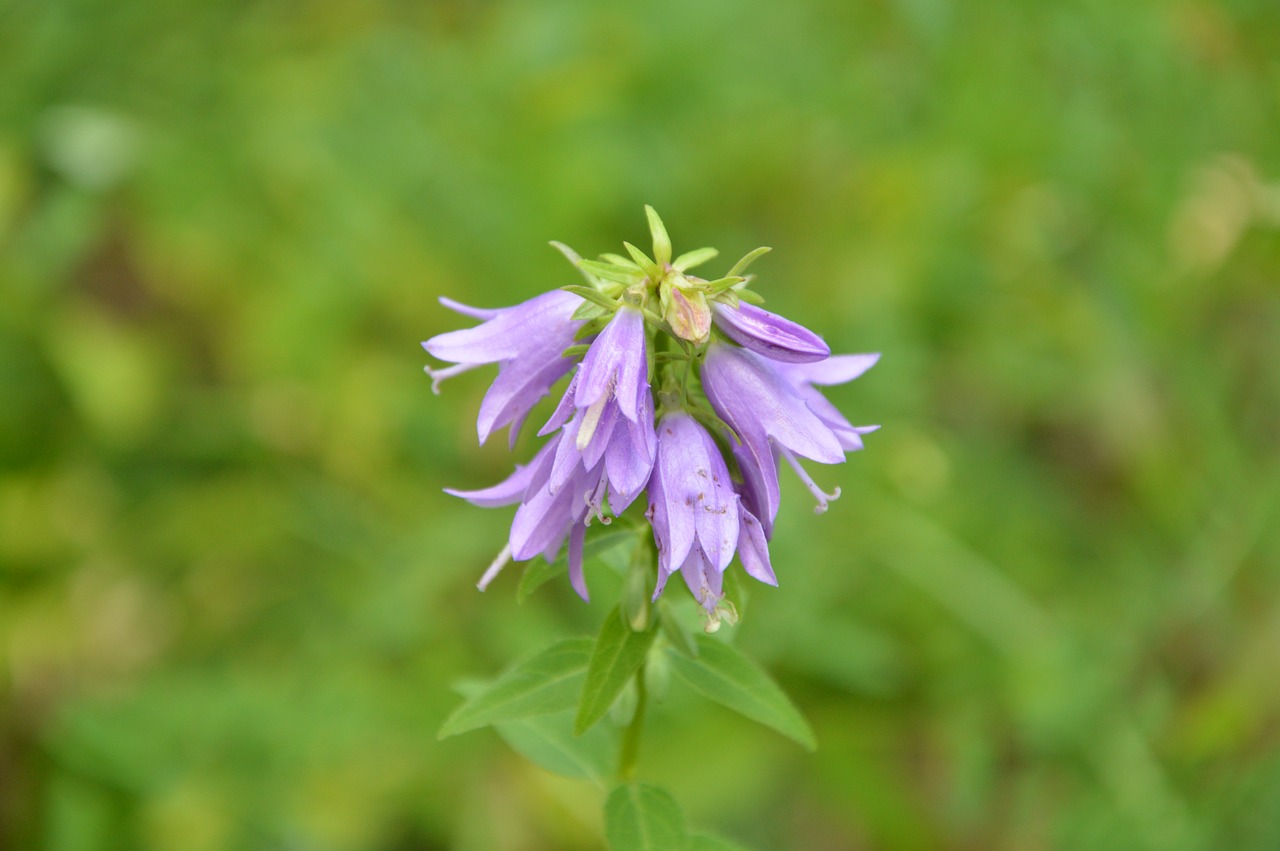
619,653
593,295
572,257
677,634
726,676
747,260
549,681
612,272
643,261
707,842
693,259
540,571
638,817
661,242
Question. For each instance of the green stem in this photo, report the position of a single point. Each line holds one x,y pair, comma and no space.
631,736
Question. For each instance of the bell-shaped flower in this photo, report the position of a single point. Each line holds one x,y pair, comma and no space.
769,334
693,508
772,421
526,341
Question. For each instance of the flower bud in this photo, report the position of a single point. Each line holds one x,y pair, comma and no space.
689,316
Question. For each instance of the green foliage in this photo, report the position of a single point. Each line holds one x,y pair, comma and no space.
547,682
233,595
618,653
639,817
721,673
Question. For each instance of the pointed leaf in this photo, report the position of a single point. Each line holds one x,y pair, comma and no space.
693,259
593,295
549,742
638,817
549,681
724,675
612,272
540,571
747,260
618,654
572,257
661,242
643,261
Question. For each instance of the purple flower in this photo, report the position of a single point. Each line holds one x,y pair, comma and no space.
698,519
525,341
607,411
772,420
769,334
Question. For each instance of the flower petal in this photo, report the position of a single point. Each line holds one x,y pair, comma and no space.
769,334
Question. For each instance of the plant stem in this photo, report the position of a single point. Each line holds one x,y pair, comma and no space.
631,736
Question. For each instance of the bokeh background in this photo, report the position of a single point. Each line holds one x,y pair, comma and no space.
235,605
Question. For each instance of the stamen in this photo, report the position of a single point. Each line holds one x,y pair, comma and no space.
821,496
595,503
439,375
591,419
495,568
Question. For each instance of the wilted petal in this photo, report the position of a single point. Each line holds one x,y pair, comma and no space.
769,334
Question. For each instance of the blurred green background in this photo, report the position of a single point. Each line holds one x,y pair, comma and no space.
234,603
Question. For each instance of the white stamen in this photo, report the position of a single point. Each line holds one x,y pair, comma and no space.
590,420
821,496
495,568
439,375
595,503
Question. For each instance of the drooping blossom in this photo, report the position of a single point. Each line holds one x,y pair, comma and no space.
526,342
704,505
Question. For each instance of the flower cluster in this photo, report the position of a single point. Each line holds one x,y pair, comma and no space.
681,388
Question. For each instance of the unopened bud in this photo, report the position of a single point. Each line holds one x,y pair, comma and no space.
689,315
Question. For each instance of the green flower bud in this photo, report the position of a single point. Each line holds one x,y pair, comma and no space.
689,315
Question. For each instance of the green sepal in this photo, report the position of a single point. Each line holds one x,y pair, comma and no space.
722,284
749,296
693,259
593,295
618,653
590,310
646,265
592,327
619,260
576,350
747,259
613,272
572,257
661,242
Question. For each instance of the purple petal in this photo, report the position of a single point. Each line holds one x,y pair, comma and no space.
753,549
521,384
697,485
769,334
512,331
616,364
564,409
576,578
467,310
506,492
705,582
836,369
756,400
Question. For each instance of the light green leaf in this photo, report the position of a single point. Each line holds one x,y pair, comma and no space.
726,676
642,260
675,631
591,294
612,272
661,242
619,653
572,257
547,682
540,571
548,741
707,842
693,259
747,260
638,817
